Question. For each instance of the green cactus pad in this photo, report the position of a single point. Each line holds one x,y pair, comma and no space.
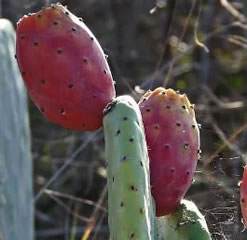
186,223
131,212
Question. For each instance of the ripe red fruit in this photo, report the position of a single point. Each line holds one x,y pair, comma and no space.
64,68
243,196
172,136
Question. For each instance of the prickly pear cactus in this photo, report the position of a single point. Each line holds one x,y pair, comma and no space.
16,202
243,196
186,223
64,68
131,214
173,142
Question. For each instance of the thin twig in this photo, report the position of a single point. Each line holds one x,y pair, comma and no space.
233,11
223,137
197,41
166,80
164,45
91,223
99,225
72,198
68,209
74,224
219,103
191,48
237,40
65,165
222,147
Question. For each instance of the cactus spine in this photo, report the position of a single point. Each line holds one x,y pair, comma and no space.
131,214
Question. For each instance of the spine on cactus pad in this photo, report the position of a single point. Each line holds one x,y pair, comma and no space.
186,223
131,213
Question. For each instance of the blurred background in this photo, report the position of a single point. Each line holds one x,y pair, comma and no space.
198,47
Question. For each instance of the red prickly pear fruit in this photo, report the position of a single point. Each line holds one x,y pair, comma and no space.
64,68
173,141
243,196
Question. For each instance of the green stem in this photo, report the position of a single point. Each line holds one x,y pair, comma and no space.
131,213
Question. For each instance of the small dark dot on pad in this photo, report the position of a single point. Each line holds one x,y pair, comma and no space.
167,146
193,126
113,179
70,86
148,110
172,170
43,81
125,118
121,204
118,132
141,163
186,145
242,200
85,60
42,109
168,106
133,188
73,29
178,124
55,23
62,111
91,38
104,71
123,158
132,235
184,107
141,210
35,43
131,139
59,50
